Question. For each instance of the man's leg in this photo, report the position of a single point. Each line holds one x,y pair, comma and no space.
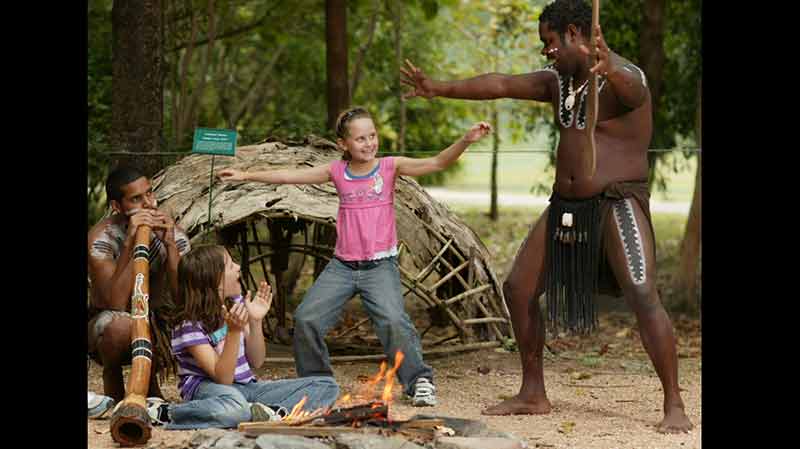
110,343
110,333
316,314
630,250
522,289
381,294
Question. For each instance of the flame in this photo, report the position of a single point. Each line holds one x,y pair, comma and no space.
297,410
367,391
387,388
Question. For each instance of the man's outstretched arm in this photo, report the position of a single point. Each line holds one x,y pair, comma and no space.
489,86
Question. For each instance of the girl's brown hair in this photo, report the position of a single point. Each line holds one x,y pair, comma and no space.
342,131
200,273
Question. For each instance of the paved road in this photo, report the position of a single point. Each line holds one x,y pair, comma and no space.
517,199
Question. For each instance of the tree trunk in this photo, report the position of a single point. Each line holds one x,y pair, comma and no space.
362,52
185,104
493,214
398,51
690,246
137,92
651,56
336,55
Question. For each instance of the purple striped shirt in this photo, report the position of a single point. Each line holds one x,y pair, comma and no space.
188,334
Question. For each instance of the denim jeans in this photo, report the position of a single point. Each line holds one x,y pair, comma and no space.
225,406
379,286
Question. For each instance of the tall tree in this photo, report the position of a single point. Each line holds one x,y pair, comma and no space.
186,98
651,47
651,55
397,12
336,53
690,246
137,86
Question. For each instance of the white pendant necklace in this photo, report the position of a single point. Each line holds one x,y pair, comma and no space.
570,101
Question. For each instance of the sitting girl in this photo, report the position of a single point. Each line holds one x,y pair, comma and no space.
216,381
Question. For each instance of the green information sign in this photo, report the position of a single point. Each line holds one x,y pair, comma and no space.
214,141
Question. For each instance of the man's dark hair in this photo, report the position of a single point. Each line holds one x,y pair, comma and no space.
118,178
561,13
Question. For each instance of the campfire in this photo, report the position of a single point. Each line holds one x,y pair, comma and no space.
366,410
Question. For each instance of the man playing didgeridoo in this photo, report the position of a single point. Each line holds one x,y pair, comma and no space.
111,243
597,227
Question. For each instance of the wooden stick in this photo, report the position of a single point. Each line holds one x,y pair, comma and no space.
379,357
492,326
441,239
434,302
424,273
490,319
448,276
445,339
262,428
463,295
350,329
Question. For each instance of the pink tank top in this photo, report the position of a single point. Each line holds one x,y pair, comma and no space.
365,224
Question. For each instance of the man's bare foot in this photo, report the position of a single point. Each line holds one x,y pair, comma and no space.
675,421
518,406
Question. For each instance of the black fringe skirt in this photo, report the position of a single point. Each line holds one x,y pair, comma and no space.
573,260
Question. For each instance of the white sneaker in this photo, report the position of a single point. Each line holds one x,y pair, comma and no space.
99,405
424,393
157,410
260,412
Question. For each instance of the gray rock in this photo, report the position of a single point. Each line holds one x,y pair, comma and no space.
477,443
359,441
462,427
288,442
234,440
206,438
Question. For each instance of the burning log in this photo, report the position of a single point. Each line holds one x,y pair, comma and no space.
375,410
421,428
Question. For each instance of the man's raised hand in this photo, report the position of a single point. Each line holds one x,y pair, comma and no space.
604,64
416,78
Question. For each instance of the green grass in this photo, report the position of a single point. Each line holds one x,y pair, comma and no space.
518,172
504,236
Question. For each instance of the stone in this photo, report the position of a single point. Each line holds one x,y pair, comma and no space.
462,427
206,438
357,441
234,440
478,443
288,442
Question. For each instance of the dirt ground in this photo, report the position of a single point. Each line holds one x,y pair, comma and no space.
604,392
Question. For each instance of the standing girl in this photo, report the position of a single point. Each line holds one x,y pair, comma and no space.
365,258
216,347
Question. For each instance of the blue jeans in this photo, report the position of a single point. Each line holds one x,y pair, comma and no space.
225,406
379,286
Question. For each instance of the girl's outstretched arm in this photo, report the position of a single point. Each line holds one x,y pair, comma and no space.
313,175
417,167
